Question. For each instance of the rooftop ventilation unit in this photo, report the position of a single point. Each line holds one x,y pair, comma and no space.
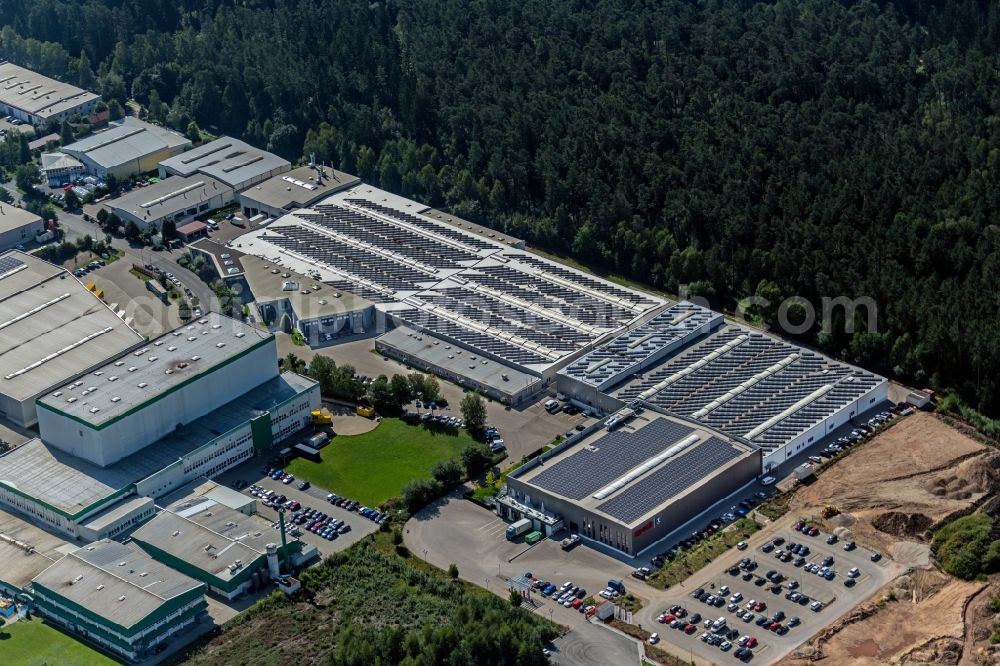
143,384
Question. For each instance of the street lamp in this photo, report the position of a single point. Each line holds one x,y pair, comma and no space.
425,556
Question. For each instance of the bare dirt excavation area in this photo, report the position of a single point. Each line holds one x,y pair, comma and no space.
891,493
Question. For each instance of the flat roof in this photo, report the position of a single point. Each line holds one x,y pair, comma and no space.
674,327
269,282
70,484
116,581
637,469
492,234
192,227
38,95
209,536
751,385
51,327
215,249
431,275
122,143
299,187
116,512
229,160
462,362
169,196
139,377
13,218
54,161
40,142
26,550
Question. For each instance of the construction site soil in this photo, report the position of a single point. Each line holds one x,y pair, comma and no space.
890,494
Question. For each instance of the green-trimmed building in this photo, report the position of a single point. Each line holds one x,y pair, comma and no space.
119,598
219,546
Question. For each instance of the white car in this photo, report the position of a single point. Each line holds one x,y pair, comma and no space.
767,481
654,638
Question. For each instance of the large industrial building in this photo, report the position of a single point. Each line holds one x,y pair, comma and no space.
630,487
117,596
219,546
298,188
192,403
52,329
323,314
687,360
174,199
132,401
127,149
497,311
236,164
35,99
18,227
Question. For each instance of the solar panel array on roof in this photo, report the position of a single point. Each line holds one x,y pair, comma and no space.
737,381
8,264
673,328
426,225
670,480
610,290
608,458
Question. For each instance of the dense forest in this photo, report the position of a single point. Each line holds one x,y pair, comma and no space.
812,148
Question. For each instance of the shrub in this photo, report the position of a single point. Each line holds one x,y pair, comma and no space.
453,570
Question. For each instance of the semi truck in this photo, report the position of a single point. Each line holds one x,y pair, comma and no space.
517,529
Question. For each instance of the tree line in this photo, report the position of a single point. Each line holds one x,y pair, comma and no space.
726,148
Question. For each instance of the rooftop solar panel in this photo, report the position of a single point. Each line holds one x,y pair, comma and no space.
608,458
670,480
8,264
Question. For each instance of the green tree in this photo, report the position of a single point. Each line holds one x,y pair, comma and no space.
72,201
473,409
132,231
515,598
400,390
475,459
448,472
168,230
293,363
66,133
418,493
453,570
193,132
25,176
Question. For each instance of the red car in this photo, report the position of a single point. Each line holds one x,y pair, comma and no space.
813,532
752,643
798,526
576,603
690,628
669,618
760,607
592,610
774,625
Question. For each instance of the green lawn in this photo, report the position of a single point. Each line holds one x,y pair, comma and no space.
35,643
374,466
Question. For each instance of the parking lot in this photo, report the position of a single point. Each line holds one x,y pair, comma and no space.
252,472
775,601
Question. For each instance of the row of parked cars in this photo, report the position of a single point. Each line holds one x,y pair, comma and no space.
376,517
567,595
717,632
92,266
737,511
319,523
859,434
273,499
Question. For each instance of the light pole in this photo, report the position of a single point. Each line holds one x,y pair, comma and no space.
425,556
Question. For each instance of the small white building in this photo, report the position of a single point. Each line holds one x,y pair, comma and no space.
18,227
176,199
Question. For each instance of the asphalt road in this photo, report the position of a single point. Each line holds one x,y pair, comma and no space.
75,227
